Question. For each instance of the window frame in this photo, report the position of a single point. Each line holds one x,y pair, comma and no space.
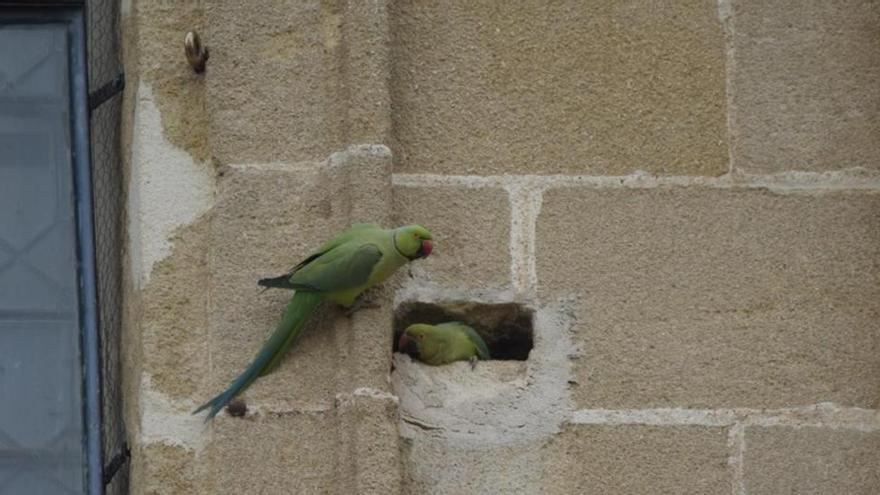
72,13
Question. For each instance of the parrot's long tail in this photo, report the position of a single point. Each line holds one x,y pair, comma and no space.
301,306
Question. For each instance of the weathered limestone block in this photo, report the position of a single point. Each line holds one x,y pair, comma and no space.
804,85
273,80
364,171
585,87
434,465
169,470
704,297
367,411
369,442
155,57
275,453
364,174
631,459
336,376
807,460
173,317
366,68
266,219
472,233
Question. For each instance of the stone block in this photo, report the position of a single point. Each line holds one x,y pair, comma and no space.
705,297
363,173
363,345
156,56
811,461
471,229
572,87
174,321
369,442
266,220
273,81
163,469
804,85
636,459
287,453
433,465
366,66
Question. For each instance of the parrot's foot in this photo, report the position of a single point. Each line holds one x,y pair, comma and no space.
364,300
474,360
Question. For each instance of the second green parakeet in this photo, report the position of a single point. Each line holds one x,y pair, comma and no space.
339,271
443,343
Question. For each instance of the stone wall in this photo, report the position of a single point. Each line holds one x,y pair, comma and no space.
685,196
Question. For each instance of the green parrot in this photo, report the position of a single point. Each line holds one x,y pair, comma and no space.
443,343
339,271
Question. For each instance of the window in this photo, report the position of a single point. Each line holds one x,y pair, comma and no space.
50,408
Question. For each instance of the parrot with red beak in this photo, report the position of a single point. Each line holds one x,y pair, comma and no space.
339,271
443,343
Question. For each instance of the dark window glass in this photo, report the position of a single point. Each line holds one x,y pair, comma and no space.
42,433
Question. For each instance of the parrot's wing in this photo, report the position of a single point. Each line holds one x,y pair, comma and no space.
283,281
340,268
353,233
479,343
279,282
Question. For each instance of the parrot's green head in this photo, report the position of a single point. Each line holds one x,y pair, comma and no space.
414,339
413,241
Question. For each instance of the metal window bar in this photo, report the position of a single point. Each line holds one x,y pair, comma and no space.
86,253
72,189
93,28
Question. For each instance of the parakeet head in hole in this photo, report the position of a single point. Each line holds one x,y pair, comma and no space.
443,343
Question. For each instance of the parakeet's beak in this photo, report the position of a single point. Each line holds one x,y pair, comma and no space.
407,346
425,250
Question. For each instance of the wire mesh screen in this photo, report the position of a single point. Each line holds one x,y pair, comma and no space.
105,66
105,60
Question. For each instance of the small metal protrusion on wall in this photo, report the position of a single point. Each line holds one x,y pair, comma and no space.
196,54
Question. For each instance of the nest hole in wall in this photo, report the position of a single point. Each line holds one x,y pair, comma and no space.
507,328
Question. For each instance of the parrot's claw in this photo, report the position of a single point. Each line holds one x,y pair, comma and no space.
362,301
474,360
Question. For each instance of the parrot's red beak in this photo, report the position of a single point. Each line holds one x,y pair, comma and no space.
426,249
407,346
